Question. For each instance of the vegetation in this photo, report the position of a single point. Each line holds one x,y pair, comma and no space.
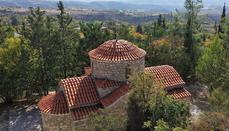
105,120
148,104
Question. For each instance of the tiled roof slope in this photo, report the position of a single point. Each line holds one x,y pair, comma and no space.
83,112
167,75
54,104
80,91
116,51
115,95
103,83
179,93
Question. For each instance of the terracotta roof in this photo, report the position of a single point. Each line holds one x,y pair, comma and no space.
167,75
179,93
54,104
83,112
79,91
115,95
102,83
117,50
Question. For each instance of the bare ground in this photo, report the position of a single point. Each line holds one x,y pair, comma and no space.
199,102
20,117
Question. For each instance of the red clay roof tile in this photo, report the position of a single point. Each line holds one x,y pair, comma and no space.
80,91
115,95
103,83
116,51
167,75
83,112
179,93
54,104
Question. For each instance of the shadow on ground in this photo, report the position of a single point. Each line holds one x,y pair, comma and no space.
24,118
4,117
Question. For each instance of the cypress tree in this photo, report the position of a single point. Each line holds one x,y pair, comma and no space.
215,28
188,43
154,28
163,23
224,11
222,21
139,29
159,21
64,21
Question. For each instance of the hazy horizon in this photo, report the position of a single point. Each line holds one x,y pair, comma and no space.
166,2
153,2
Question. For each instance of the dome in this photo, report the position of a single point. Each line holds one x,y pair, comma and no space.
117,50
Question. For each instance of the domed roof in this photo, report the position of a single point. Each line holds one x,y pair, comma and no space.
117,50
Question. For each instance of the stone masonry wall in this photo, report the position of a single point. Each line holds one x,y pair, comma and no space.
105,91
57,122
115,70
118,109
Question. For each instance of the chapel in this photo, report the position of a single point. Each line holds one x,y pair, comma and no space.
103,85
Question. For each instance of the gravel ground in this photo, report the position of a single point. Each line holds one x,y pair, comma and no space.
24,118
199,102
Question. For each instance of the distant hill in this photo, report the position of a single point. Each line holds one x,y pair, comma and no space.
102,5
178,2
162,6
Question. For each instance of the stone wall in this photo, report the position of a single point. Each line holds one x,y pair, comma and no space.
117,109
53,122
105,91
116,70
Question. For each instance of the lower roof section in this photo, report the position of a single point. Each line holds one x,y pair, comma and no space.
79,91
166,75
115,95
104,83
54,104
179,93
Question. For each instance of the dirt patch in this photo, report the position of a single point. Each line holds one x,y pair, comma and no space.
200,104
